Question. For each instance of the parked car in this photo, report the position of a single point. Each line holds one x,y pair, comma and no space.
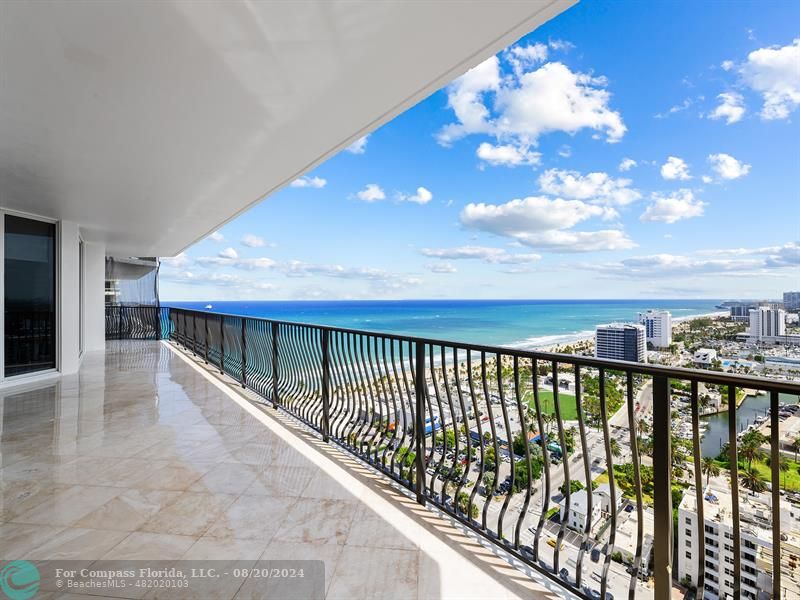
595,555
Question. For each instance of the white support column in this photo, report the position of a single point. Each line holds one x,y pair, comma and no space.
94,285
69,297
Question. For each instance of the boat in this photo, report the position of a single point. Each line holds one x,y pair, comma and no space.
209,307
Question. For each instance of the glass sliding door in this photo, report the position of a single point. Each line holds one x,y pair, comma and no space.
30,295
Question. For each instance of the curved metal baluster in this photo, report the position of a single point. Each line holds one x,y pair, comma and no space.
410,398
437,469
456,449
565,463
612,486
355,391
637,479
366,386
476,410
509,447
467,429
494,439
545,458
698,484
374,382
587,472
390,383
395,443
524,434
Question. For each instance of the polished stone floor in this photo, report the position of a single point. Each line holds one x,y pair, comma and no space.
148,455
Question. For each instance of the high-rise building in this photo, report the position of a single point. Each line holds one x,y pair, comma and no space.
756,516
767,322
740,311
791,300
621,341
658,327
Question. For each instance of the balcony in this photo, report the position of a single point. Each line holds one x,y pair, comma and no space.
261,439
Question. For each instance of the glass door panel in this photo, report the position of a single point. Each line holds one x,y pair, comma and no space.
30,295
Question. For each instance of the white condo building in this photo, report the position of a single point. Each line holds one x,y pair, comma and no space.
621,341
658,327
767,322
756,544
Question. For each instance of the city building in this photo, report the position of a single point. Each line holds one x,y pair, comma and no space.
791,300
579,507
767,322
756,543
658,327
740,311
621,341
704,357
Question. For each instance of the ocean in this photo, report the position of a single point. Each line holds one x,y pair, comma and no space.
524,324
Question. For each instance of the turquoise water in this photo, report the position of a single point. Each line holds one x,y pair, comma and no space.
518,323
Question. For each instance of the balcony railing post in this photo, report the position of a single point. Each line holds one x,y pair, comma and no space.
194,333
419,388
662,487
244,354
221,345
119,329
326,375
205,337
275,398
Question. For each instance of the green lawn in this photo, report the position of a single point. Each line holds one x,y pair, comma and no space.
789,481
568,410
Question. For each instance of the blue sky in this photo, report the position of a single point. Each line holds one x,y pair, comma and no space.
622,150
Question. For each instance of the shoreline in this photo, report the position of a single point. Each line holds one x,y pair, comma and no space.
571,339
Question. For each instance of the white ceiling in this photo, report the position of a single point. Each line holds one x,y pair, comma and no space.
153,123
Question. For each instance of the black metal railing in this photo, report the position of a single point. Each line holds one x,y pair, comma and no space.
504,440
136,322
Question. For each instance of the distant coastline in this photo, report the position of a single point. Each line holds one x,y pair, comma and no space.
523,324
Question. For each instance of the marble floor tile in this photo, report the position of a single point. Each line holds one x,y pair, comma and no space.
69,505
192,513
128,511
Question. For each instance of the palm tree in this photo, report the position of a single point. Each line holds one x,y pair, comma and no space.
783,467
613,444
709,468
752,481
796,446
751,451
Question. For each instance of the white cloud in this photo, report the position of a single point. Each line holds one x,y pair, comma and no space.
371,193
443,267
731,108
594,187
627,164
310,182
727,65
675,168
674,207
524,57
560,45
708,179
422,196
507,155
181,261
545,223
216,236
528,104
246,264
253,241
774,72
228,253
687,102
565,151
484,253
727,167
359,146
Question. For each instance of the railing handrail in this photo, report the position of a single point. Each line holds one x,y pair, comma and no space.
682,373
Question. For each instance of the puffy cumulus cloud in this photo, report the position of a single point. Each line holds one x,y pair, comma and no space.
309,182
545,223
727,167
507,155
520,104
484,253
675,168
774,72
422,196
359,146
371,193
627,164
442,268
253,241
731,108
247,264
735,262
181,261
524,57
216,237
229,253
673,207
595,187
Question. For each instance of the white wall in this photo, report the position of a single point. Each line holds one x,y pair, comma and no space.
69,296
94,282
